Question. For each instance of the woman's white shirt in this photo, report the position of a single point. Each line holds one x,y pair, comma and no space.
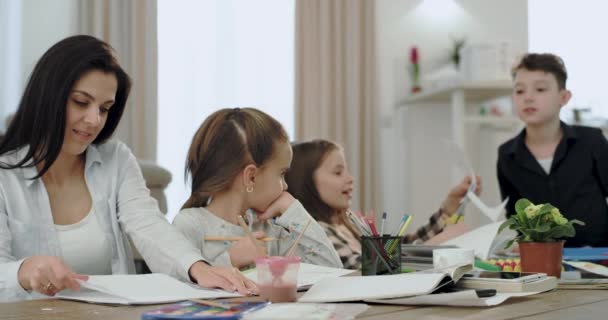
124,207
84,247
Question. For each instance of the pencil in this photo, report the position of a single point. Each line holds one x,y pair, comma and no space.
247,231
295,244
407,223
401,232
220,238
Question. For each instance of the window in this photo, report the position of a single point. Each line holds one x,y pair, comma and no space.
215,54
10,62
570,30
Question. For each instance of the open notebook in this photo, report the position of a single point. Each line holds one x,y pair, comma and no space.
159,288
139,289
358,288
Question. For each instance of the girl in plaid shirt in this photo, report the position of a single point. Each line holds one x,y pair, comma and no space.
319,178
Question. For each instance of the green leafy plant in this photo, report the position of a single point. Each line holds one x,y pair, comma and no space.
538,223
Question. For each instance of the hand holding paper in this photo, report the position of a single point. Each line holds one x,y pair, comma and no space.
493,213
457,199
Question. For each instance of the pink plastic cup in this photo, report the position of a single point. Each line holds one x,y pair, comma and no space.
278,278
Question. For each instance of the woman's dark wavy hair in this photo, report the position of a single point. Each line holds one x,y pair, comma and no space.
40,118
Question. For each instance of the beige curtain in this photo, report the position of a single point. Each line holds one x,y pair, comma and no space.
130,27
335,85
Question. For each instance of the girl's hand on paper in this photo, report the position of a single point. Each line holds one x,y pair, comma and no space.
243,252
277,207
48,275
454,197
226,278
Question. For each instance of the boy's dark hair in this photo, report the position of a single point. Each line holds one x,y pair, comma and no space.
40,118
546,62
226,142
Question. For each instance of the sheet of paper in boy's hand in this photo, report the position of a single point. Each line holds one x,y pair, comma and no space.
462,162
479,239
467,298
308,274
493,213
307,311
139,289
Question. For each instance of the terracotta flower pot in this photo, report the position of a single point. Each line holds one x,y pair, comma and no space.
542,257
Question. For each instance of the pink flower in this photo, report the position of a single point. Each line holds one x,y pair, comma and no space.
414,55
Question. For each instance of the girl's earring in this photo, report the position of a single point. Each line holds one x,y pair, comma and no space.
249,189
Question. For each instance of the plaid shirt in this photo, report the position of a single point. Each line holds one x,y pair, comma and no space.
348,245
435,225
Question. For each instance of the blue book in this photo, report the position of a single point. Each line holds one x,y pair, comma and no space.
585,254
192,310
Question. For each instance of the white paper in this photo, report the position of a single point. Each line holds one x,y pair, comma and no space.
307,311
480,239
308,274
358,288
466,298
494,213
461,160
139,289
443,258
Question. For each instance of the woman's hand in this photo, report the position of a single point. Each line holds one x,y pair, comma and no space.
226,278
48,275
277,207
243,252
454,197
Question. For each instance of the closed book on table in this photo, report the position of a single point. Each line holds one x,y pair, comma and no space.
538,285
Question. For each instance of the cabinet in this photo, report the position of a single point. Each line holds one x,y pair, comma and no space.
458,96
452,113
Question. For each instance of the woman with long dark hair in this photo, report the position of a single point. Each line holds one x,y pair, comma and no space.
69,196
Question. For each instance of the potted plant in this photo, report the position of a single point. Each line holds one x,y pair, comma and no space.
457,45
541,229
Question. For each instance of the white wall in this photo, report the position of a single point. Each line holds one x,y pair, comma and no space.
417,183
217,54
583,54
10,44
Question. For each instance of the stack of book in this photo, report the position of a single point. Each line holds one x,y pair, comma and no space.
508,282
419,257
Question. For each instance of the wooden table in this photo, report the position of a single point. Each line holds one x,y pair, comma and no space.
560,304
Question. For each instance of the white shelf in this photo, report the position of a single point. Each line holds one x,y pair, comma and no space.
475,92
505,122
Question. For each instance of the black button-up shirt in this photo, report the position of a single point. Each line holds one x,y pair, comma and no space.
577,183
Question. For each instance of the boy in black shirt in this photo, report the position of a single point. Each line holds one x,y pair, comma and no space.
550,161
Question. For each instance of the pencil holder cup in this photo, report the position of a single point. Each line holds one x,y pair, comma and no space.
380,255
278,278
